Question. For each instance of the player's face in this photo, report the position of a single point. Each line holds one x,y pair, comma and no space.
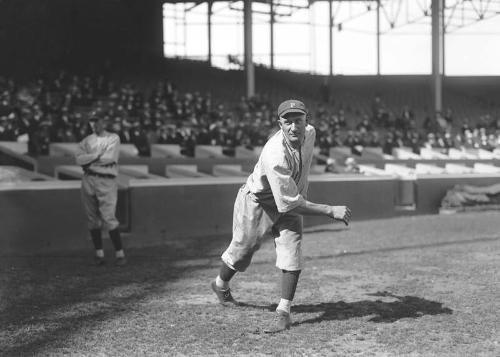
294,127
97,126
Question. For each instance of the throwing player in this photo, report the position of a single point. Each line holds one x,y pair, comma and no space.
98,155
272,203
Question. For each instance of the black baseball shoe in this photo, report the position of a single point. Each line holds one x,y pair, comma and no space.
99,261
282,322
224,296
120,261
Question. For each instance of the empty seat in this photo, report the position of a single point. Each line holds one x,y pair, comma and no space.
404,153
63,149
228,170
183,171
208,151
166,150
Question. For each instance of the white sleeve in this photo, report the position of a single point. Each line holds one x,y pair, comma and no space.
82,157
285,191
112,151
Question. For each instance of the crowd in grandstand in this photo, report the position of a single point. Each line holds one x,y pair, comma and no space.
54,109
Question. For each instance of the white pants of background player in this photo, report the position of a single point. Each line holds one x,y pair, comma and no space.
99,196
252,223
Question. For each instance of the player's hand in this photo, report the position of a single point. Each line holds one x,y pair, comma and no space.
341,213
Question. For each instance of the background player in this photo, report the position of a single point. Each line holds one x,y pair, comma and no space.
98,156
272,203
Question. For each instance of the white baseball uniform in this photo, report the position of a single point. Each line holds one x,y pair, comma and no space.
99,186
262,208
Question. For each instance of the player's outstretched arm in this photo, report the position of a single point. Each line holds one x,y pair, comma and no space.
339,213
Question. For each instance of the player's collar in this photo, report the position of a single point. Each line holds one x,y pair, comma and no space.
103,134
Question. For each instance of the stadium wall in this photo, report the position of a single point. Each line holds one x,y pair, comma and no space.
47,217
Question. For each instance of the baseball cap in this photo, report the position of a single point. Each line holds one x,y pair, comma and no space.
291,106
94,115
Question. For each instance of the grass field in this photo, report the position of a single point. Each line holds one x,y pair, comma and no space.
412,286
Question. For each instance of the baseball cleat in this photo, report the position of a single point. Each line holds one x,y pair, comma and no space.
282,322
99,261
224,296
121,261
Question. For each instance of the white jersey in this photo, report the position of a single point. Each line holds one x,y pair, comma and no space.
90,147
280,177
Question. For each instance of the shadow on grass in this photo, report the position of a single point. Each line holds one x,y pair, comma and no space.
382,311
45,300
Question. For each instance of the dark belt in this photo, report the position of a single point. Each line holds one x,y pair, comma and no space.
92,173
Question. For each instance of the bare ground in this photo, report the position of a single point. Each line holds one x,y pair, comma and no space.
413,286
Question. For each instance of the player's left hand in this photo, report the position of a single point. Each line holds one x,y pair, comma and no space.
341,213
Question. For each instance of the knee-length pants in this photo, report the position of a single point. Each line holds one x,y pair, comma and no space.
254,222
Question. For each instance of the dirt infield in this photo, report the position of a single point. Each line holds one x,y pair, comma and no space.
413,286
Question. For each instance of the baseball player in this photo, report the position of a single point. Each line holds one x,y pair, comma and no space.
271,204
98,156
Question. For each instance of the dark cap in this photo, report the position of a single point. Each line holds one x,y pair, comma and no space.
291,106
95,115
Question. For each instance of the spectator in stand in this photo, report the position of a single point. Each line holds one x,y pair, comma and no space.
39,139
430,141
405,120
353,141
414,142
448,116
141,141
492,142
398,138
389,144
341,120
372,139
325,142
188,144
448,140
430,124
440,143
469,141
378,110
364,124
333,167
351,166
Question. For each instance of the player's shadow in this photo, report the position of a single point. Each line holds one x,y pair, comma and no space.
381,311
399,307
